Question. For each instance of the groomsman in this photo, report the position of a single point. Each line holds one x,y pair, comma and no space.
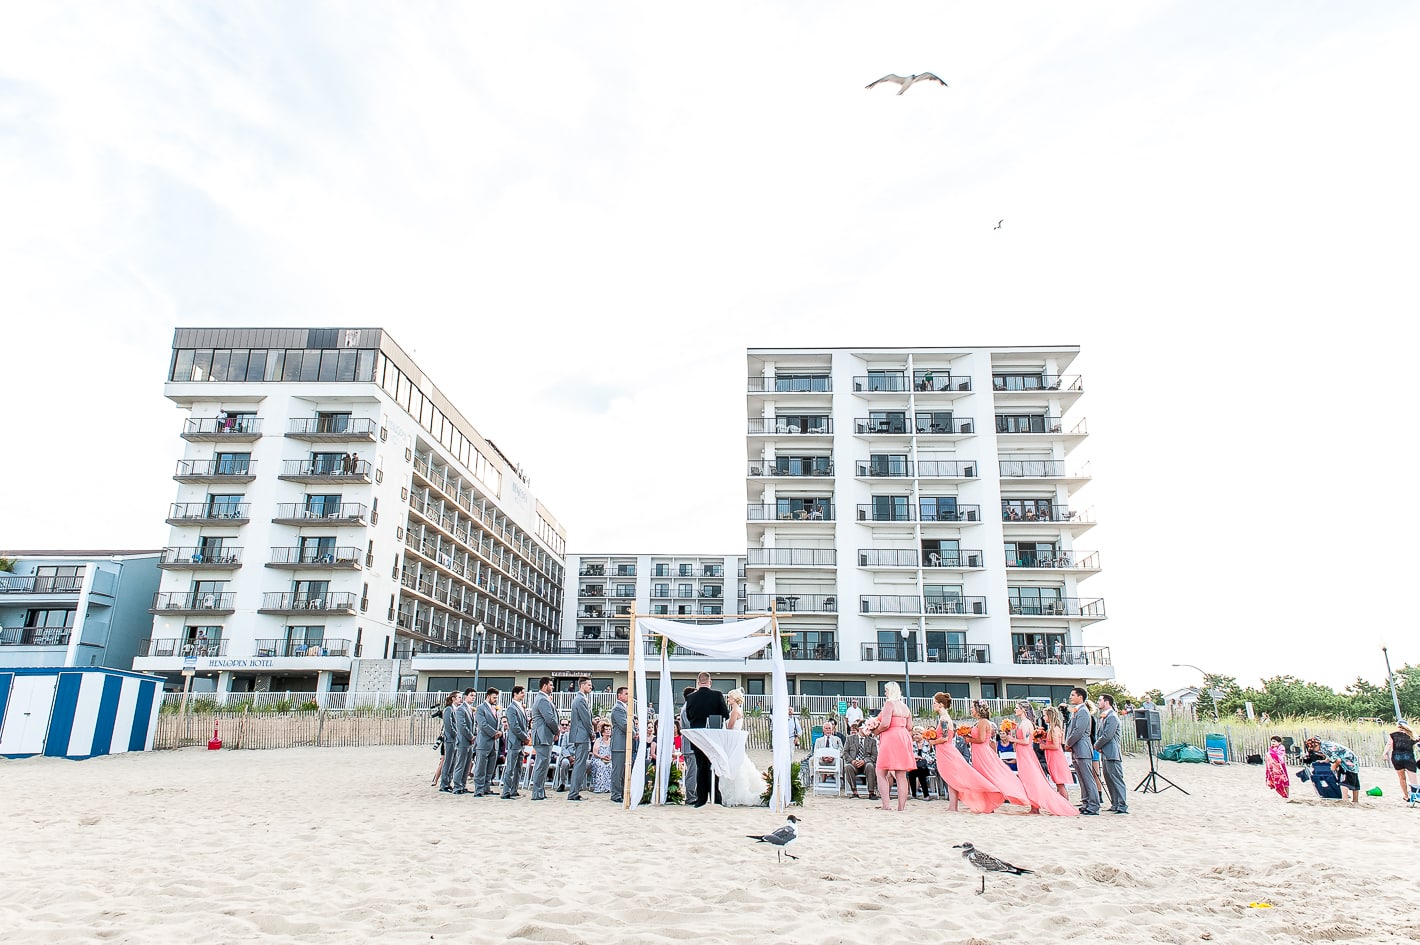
463,741
485,749
688,780
1107,737
451,737
517,737
1077,740
544,733
618,746
581,733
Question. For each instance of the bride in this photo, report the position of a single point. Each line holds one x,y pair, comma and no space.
747,786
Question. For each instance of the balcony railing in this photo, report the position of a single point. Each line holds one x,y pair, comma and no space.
791,557
234,429
206,513
884,384
286,648
1036,383
301,603
938,383
821,651
595,570
1038,469
1042,425
34,636
791,603
791,385
1040,510
197,557
295,557
820,512
965,653
346,513
176,646
333,429
304,470
960,513
821,426
889,652
1063,656
792,470
199,470
925,469
887,557
1058,607
911,604
965,558
868,512
39,584
927,427
870,425
183,602
1071,560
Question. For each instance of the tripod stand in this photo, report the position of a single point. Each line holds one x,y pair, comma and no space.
1150,784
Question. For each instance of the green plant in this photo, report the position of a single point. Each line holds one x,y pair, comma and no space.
796,785
310,705
202,704
675,793
7,564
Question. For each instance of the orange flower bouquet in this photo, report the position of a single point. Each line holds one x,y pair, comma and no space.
963,730
1008,726
930,734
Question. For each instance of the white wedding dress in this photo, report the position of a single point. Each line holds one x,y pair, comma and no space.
747,787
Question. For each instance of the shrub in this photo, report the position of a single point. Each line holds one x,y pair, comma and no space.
796,785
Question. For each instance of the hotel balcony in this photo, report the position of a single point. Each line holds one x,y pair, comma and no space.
892,383
225,558
812,384
332,429
275,603
34,636
964,559
946,469
1043,470
878,515
214,471
1063,656
952,515
944,428
932,385
914,653
207,513
1043,512
912,604
799,651
871,426
176,646
1043,429
787,426
815,511
1078,607
1007,384
887,558
230,430
790,603
1083,561
346,558
798,468
40,585
764,558
321,472
184,602
286,648
347,513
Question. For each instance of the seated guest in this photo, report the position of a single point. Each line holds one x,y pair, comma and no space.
827,741
599,763
926,759
860,756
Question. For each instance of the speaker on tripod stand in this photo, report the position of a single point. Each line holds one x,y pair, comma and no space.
1149,727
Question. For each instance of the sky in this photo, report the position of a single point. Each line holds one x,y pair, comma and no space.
577,217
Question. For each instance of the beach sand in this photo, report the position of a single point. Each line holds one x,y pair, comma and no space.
352,845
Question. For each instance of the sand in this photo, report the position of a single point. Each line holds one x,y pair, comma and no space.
352,845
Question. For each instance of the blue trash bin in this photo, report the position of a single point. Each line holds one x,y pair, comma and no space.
1218,741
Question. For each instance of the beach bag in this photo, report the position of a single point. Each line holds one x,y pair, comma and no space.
1170,752
1190,755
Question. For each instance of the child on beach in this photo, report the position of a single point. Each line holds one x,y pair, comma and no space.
1277,766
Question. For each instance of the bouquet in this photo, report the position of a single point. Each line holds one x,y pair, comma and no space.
930,734
1007,725
963,730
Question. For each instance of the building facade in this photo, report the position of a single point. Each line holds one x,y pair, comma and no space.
336,516
75,608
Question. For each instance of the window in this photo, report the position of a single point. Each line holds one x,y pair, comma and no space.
890,645
947,646
1027,510
224,506
686,590
1021,423
887,464
233,464
713,570
1025,381
330,422
831,687
710,609
661,590
802,383
891,508
1030,554
887,381
50,579
937,421
51,617
626,570
317,550
1034,601
941,553
687,570
940,508
626,590
662,570
887,421
1038,693
323,506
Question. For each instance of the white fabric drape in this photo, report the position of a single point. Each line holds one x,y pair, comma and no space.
738,640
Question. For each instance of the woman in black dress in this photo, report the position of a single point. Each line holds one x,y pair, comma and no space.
1400,752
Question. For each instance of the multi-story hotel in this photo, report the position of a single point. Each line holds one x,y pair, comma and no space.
914,511
335,516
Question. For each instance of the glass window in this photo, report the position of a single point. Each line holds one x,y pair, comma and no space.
293,365
310,365
364,365
202,364
233,464
345,365
256,364
220,360
182,364
275,365
328,361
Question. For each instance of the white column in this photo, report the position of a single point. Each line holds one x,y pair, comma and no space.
86,587
323,679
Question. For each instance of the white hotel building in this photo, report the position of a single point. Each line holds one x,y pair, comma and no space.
335,517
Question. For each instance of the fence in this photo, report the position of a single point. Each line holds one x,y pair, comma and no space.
1246,738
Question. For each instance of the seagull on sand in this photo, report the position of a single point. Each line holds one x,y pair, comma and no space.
780,838
906,82
987,863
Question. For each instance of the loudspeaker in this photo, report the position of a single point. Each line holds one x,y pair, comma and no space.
1148,725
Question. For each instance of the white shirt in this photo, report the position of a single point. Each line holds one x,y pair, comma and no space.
854,714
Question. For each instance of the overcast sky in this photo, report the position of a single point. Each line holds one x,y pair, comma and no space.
578,216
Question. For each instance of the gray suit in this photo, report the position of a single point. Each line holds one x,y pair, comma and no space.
1077,739
1107,744
687,782
463,746
544,733
485,749
581,735
450,742
618,752
517,737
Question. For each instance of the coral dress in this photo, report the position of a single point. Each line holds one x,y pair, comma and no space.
1041,792
894,741
1056,761
1277,770
987,762
971,788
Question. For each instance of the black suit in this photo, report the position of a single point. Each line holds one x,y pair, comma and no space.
704,704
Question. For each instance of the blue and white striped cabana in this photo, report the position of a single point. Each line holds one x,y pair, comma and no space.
76,713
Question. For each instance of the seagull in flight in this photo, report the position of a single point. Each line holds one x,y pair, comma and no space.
781,838
998,224
987,863
906,83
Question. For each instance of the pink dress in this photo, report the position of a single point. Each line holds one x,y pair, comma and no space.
1041,792
1056,761
894,742
971,788
989,765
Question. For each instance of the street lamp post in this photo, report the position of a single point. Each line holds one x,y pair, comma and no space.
479,631
1212,693
906,667
1394,698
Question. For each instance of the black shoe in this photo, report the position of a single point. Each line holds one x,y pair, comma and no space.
1119,812
575,798
561,789
540,798
618,800
1089,813
506,797
698,804
460,791
446,790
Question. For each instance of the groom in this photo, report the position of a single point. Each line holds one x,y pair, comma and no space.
702,705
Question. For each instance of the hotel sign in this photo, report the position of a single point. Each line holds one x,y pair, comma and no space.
253,663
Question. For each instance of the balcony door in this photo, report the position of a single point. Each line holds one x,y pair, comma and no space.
890,508
317,550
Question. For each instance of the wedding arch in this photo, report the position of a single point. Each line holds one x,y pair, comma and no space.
737,640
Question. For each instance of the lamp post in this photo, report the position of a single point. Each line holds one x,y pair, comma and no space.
1213,693
1394,698
478,631
906,667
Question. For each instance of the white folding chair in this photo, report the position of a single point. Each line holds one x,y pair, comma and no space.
828,771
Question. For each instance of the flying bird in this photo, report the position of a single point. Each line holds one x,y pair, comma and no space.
781,838
906,83
987,863
998,224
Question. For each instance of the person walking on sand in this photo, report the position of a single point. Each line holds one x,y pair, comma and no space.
895,758
1077,741
1276,775
1400,753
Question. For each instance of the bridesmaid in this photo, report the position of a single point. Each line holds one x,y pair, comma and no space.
964,783
895,757
1038,788
987,761
1057,765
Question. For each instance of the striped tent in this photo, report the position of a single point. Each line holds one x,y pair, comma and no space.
76,713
